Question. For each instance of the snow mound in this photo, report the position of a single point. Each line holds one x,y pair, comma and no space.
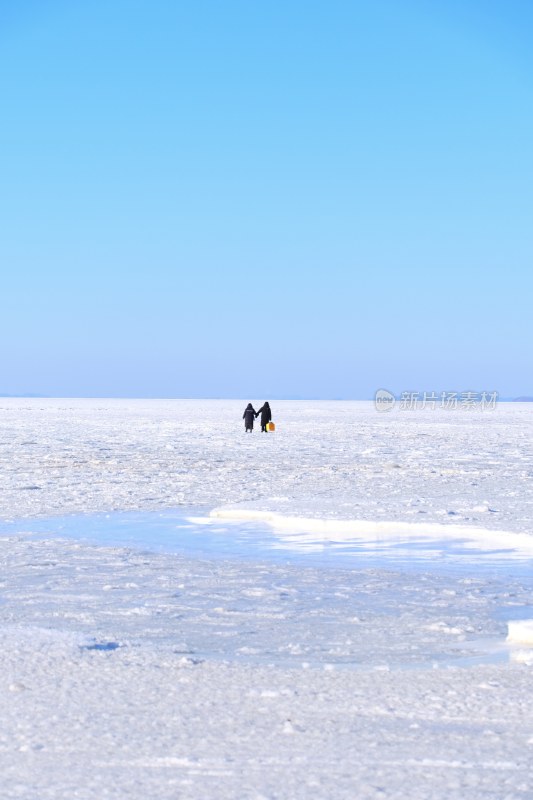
351,530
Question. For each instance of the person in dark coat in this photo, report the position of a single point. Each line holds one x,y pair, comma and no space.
249,415
266,416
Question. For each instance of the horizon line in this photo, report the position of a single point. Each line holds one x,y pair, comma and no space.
279,398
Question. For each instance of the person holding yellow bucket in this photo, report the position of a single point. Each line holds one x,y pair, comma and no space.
266,418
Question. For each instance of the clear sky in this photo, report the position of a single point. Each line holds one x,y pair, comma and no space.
240,199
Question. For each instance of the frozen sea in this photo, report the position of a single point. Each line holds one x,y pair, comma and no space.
340,609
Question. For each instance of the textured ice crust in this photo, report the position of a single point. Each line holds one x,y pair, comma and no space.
126,674
135,675
132,675
326,460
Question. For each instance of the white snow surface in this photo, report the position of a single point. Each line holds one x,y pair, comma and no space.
133,674
326,459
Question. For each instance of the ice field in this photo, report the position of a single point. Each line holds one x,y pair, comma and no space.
340,609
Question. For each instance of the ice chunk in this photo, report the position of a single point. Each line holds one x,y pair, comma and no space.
520,631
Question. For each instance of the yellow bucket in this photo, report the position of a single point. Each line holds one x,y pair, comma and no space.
271,426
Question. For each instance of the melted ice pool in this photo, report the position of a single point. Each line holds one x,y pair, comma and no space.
194,533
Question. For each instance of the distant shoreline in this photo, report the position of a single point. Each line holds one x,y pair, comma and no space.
524,399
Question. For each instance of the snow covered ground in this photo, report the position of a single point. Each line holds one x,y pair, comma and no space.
133,671
326,459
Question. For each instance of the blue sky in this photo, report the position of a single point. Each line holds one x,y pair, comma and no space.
249,200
